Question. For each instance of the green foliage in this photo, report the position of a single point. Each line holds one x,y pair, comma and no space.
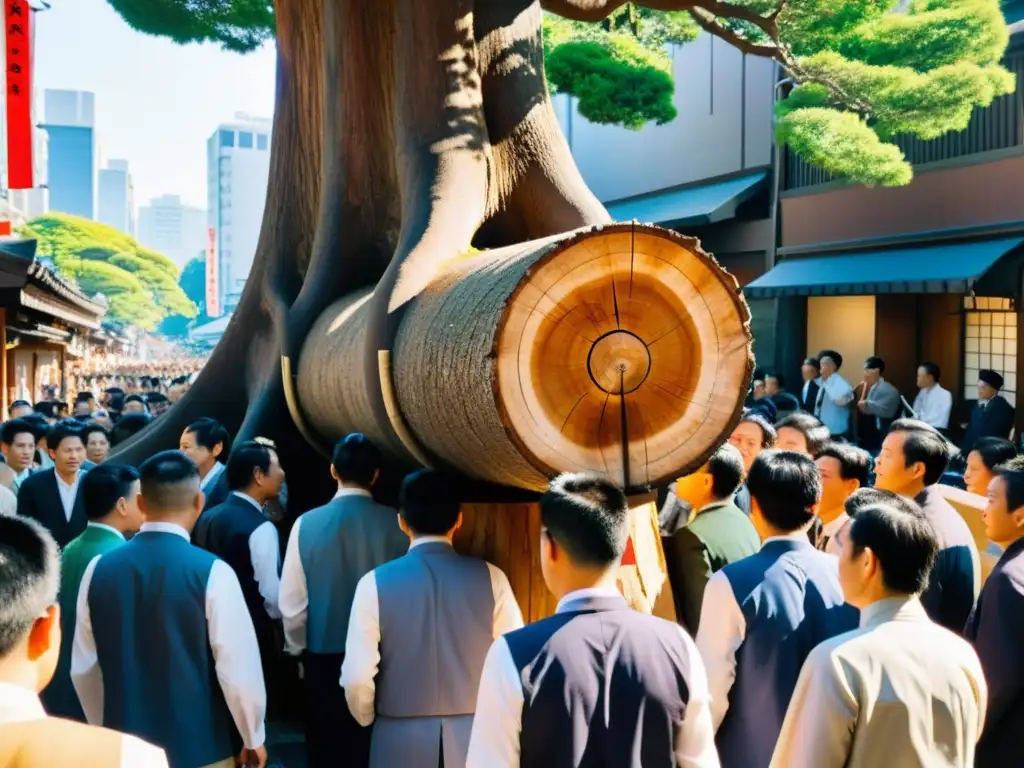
140,285
193,281
238,25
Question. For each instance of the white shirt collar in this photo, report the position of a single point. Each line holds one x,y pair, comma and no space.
19,704
586,593
161,527
211,475
352,492
69,486
104,526
429,540
20,476
250,499
834,527
796,536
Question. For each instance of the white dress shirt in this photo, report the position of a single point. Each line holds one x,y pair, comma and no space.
933,406
833,406
265,553
21,705
232,638
498,722
831,529
723,628
294,595
8,502
362,645
68,492
211,476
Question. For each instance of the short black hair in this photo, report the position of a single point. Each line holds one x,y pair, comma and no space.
245,459
932,369
923,443
786,486
875,363
114,391
46,408
136,399
726,469
208,432
768,433
836,357
814,362
14,427
62,431
170,481
428,503
29,578
587,515
904,542
994,451
84,397
39,423
777,376
19,404
156,397
90,427
1012,472
815,433
128,425
356,459
854,463
867,496
103,485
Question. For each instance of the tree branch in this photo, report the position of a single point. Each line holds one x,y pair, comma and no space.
710,24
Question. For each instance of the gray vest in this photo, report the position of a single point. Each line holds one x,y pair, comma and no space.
339,543
436,626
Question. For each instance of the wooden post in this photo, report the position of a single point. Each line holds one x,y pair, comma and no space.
508,536
4,372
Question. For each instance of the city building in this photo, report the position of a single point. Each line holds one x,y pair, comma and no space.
928,271
174,228
73,152
25,204
116,206
238,164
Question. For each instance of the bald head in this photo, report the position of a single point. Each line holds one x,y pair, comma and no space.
170,489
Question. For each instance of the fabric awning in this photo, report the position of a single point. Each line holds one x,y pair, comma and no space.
704,204
938,268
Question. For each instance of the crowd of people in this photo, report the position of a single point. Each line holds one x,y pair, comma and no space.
830,606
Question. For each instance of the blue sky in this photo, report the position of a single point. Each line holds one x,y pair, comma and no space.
156,102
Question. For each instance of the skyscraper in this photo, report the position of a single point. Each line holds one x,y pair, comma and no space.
173,227
73,154
238,164
117,197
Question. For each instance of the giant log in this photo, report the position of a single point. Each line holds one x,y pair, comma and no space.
622,349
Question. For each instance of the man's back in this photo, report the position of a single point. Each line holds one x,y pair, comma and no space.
778,604
901,691
955,578
598,656
56,742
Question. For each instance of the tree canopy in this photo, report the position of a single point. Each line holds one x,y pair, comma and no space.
864,71
140,285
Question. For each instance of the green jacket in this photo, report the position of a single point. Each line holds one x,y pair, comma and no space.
59,697
720,534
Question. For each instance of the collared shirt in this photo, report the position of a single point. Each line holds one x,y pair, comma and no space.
833,406
829,531
933,406
498,721
362,646
21,705
20,477
723,628
265,554
68,492
293,598
211,476
236,654
104,527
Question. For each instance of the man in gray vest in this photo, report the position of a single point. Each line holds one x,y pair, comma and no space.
419,632
597,684
330,549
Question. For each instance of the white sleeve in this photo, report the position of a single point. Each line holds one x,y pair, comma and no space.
362,651
236,654
294,596
498,720
86,675
265,552
695,734
136,753
721,633
839,390
943,409
507,615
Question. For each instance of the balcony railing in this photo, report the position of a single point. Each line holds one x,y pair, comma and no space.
998,126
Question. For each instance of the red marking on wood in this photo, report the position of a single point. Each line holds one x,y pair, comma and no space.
629,556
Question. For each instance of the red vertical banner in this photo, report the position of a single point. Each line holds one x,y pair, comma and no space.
212,273
18,75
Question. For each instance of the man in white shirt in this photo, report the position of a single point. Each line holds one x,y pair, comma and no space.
834,395
51,496
900,689
633,669
29,646
208,444
18,444
164,645
843,470
420,629
933,403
